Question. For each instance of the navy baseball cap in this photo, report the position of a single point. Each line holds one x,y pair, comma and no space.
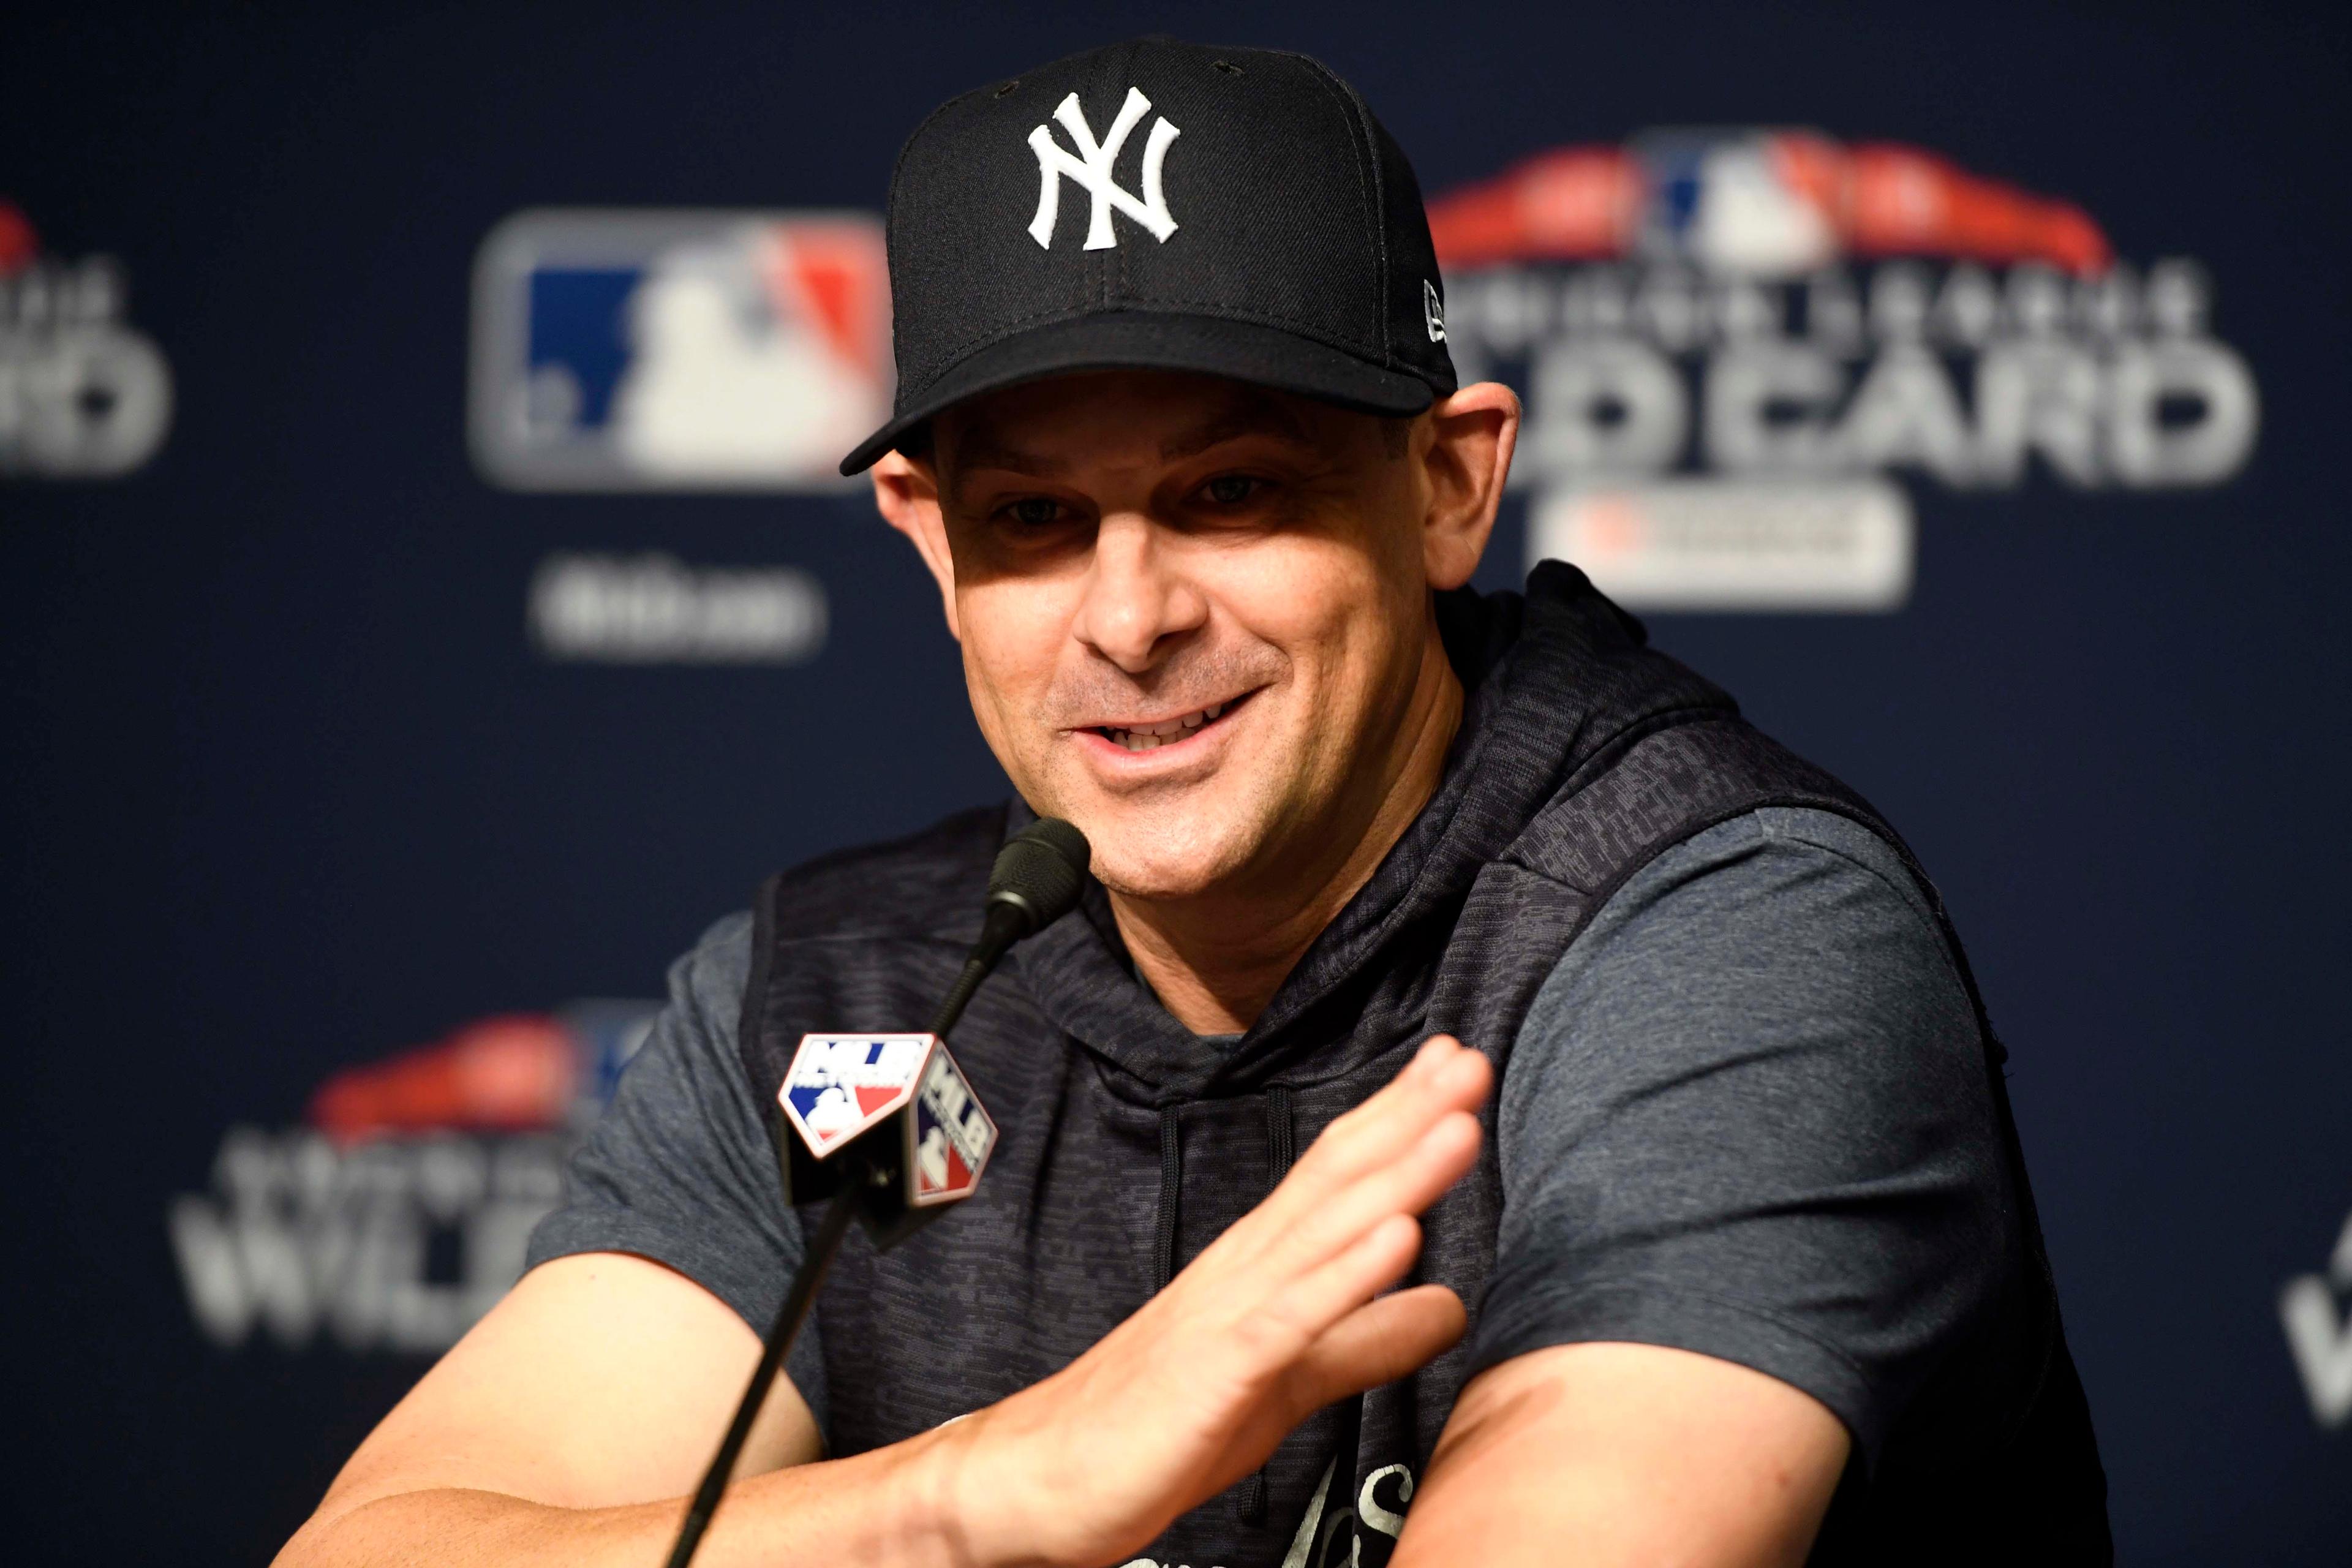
1162,205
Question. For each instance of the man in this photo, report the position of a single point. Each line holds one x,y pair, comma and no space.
1721,1161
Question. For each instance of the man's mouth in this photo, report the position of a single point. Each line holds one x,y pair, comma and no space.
1165,732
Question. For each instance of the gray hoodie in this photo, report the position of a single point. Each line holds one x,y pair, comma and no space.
1749,1105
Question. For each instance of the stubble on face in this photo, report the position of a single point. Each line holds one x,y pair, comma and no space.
1171,835
1304,619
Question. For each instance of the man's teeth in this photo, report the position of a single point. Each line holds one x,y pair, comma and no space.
1150,737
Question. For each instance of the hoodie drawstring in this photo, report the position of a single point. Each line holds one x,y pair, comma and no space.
1171,1178
1281,1148
1281,1136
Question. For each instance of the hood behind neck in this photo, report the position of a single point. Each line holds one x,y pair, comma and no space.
1551,681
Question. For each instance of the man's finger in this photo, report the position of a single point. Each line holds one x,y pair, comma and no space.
1317,1299
1415,1178
1383,1339
1315,1211
1393,1113
1272,1337
1444,1077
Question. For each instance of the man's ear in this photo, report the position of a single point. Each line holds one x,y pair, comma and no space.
1467,455
907,494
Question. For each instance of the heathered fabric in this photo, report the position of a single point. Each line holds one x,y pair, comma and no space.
1762,1018
1583,760
1747,1116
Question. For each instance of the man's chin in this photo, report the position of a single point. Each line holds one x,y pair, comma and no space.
1156,877
1163,857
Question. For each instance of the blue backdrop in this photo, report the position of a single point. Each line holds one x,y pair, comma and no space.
292,786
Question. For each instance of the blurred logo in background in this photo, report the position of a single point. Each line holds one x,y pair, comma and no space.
655,609
83,395
668,349
402,1211
2319,1334
1730,341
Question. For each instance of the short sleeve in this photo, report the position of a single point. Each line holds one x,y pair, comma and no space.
680,1168
1747,1115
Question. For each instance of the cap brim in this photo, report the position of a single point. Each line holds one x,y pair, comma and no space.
1157,340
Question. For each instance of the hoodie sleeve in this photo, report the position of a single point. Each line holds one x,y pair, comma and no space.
1747,1116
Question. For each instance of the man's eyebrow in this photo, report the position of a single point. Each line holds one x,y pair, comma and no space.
1247,416
983,450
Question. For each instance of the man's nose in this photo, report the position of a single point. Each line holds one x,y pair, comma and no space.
1136,594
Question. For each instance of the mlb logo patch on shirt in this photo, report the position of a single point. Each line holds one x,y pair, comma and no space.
840,1085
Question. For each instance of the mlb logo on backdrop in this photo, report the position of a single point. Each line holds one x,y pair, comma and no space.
629,350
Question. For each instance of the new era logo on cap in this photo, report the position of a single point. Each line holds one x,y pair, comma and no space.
1311,272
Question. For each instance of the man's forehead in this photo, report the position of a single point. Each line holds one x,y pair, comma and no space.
1047,424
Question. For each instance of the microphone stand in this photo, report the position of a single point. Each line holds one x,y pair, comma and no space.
1034,882
1001,929
789,1319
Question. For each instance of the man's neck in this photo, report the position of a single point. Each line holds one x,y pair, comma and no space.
1215,961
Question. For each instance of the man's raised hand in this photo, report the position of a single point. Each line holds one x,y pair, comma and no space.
1278,1317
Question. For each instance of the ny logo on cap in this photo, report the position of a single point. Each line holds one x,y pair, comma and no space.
1092,170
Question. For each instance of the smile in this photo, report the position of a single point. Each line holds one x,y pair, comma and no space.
1165,732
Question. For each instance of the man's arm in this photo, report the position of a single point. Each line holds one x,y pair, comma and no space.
1754,1197
1603,1455
568,1426
595,1390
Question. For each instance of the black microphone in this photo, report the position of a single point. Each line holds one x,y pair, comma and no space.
891,1115
888,1127
1034,882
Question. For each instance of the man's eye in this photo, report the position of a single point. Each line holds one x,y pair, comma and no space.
1035,511
1232,490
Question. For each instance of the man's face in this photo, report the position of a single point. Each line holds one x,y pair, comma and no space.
1192,613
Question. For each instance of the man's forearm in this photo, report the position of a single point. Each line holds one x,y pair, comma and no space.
1613,1454
882,1508
1290,1310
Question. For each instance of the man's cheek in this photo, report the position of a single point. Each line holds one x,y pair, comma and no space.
1002,723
